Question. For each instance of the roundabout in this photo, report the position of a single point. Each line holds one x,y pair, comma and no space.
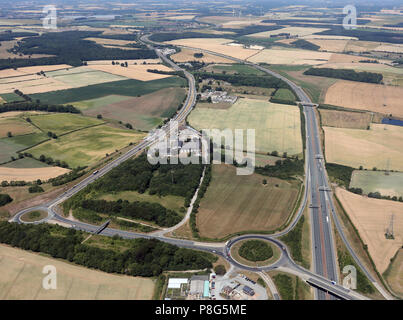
255,252
34,216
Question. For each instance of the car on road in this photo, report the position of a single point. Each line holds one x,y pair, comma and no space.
333,282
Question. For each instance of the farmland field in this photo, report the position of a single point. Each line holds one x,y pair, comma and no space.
25,163
345,119
330,45
284,94
277,126
145,112
235,203
366,96
235,68
61,123
129,87
84,147
188,55
218,45
372,181
22,279
371,217
376,147
83,76
291,57
16,126
138,71
30,174
10,146
293,31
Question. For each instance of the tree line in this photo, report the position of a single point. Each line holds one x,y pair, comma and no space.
346,74
283,169
137,210
143,258
37,106
245,80
5,199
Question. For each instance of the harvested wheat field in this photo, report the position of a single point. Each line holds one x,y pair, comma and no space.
330,45
30,174
293,31
113,42
218,45
344,58
371,217
31,84
395,48
21,279
378,147
235,203
138,72
366,96
188,55
345,119
16,126
291,56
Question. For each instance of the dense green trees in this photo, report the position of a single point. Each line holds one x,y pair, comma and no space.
245,80
283,169
33,106
4,199
255,250
143,258
339,174
346,74
137,210
69,47
293,240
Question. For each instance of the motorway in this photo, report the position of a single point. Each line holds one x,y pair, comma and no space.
316,179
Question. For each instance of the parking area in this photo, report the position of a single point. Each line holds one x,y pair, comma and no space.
238,287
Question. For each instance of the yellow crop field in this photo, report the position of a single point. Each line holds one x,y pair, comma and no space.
277,126
366,96
188,55
30,174
371,217
330,45
138,72
21,279
380,147
293,31
113,42
291,56
218,45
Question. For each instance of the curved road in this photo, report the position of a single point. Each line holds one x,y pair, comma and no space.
315,177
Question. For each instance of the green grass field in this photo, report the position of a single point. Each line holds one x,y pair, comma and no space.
277,126
284,94
26,163
83,76
372,181
10,97
61,123
235,68
87,105
143,113
235,203
85,147
130,87
10,146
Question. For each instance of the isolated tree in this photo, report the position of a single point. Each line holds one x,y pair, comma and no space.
264,181
99,116
9,134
